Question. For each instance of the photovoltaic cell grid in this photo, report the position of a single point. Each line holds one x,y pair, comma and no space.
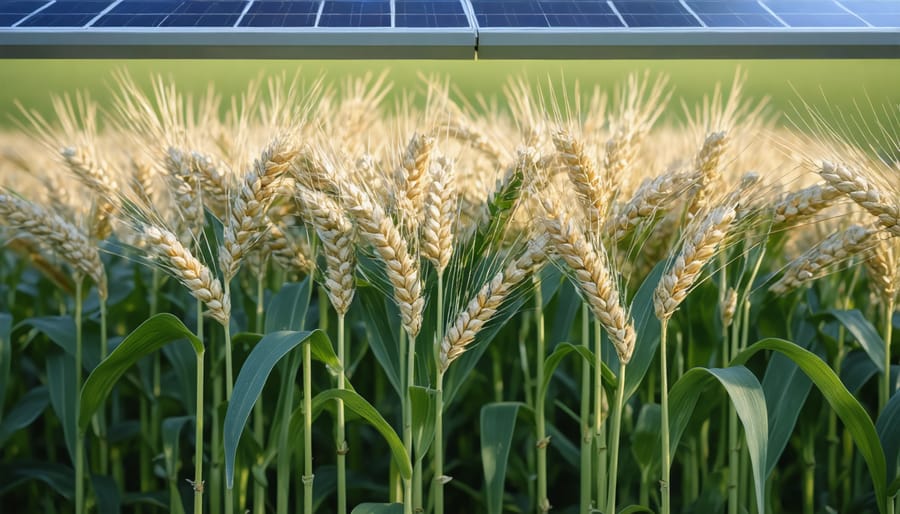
436,14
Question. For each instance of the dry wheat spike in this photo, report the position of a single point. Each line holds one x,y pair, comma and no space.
835,249
650,199
883,267
801,205
288,253
440,215
592,189
864,193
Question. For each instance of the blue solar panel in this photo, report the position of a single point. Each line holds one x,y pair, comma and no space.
813,13
67,13
544,13
423,14
356,13
11,12
170,13
655,13
732,13
880,13
267,13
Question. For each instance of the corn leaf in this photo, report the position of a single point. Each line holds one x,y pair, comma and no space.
63,395
855,418
147,338
498,422
888,427
864,333
749,402
32,405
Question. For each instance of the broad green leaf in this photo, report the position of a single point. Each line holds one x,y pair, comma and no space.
107,493
786,389
645,438
5,356
888,427
365,410
383,339
171,441
498,422
149,337
647,328
562,350
60,478
749,402
253,376
27,410
63,395
855,418
378,508
287,309
864,333
181,380
856,370
423,418
61,331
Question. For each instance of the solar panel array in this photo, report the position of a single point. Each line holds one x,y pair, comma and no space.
411,22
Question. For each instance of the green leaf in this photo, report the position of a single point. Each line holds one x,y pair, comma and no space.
252,378
60,478
498,422
149,337
5,356
378,508
383,339
107,493
856,370
365,410
423,418
287,309
749,402
27,410
864,333
645,439
61,332
888,427
171,441
786,389
635,509
562,350
63,395
855,418
647,328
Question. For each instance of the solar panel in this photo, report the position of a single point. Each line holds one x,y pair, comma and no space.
450,28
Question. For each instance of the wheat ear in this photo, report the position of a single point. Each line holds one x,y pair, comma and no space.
188,270
338,238
411,179
285,250
592,274
245,222
440,214
864,193
651,198
187,193
708,169
701,242
883,267
834,249
379,230
583,175
62,238
487,302
800,205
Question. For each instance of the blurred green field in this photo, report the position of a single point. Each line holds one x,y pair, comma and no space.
827,85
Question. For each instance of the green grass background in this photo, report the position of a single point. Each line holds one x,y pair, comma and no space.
825,84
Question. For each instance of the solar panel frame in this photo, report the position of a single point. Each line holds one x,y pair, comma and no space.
569,41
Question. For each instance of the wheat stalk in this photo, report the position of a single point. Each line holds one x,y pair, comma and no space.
834,249
337,235
440,215
188,270
379,230
864,193
701,242
62,238
245,222
487,302
592,274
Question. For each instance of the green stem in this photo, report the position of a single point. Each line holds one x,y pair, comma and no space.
599,426
341,430
586,435
618,407
308,476
198,435
409,381
543,503
259,491
885,395
229,373
809,474
439,478
664,410
79,444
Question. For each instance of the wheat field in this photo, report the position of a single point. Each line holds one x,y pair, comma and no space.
340,297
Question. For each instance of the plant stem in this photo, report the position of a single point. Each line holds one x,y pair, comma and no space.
341,431
599,426
586,435
308,476
885,395
439,403
259,491
198,435
101,413
543,503
664,410
809,474
229,374
79,443
618,407
407,418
